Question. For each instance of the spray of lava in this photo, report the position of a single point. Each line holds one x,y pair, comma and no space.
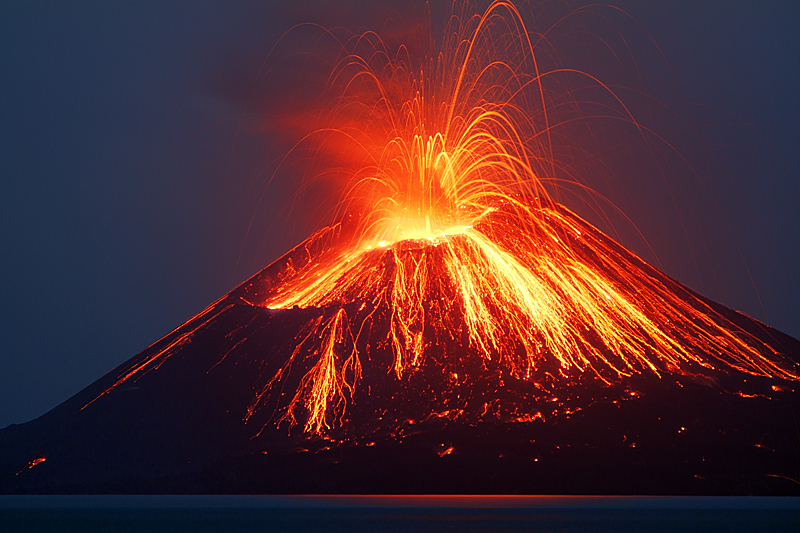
456,235
451,246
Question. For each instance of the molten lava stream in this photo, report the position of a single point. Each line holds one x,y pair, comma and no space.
460,264
454,274
560,300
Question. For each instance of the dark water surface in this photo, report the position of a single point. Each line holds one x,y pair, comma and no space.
397,513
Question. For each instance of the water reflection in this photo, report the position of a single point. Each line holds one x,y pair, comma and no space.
200,514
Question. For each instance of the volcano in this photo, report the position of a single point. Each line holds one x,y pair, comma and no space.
455,330
383,381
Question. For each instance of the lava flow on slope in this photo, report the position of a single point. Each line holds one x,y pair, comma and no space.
455,312
488,301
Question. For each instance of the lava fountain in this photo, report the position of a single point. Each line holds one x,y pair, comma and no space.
453,272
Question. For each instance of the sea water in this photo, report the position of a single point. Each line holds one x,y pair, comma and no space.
198,514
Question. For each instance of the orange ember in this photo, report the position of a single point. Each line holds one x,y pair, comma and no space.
33,463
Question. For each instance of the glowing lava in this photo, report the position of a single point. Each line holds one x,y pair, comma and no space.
458,238
557,301
450,246
38,460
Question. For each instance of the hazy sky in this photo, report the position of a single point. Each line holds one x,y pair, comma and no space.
128,189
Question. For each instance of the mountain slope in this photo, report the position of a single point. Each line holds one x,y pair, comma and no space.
211,407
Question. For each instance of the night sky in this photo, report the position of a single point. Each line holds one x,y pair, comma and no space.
129,182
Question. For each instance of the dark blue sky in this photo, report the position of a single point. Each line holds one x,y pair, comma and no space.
127,192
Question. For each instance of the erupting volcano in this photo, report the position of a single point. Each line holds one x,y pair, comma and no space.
454,311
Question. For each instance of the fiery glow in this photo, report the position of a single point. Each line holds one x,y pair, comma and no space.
550,301
457,235
32,463
450,236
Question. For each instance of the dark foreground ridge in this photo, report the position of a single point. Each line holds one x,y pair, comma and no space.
177,425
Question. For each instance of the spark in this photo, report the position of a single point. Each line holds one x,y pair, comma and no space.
32,463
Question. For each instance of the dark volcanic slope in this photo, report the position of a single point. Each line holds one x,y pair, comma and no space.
177,425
